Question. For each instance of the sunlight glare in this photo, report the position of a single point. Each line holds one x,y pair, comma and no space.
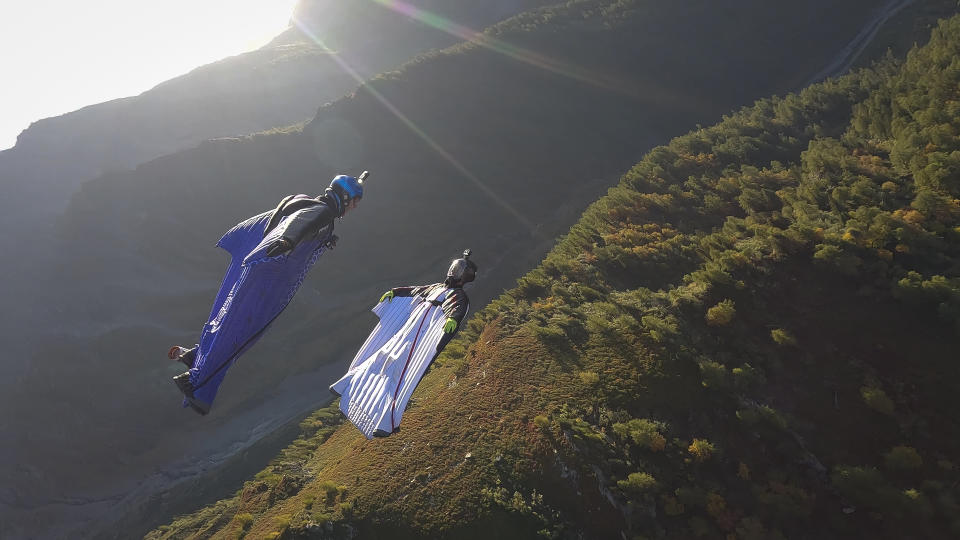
426,138
59,56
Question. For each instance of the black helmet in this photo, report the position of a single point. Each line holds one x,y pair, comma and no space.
462,270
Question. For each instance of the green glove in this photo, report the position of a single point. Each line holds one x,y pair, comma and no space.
450,325
388,296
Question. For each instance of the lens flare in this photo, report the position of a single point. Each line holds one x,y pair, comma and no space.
449,158
634,89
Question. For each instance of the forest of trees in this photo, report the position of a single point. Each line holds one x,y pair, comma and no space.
752,336
745,283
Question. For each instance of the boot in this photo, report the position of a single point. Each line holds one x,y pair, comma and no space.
183,355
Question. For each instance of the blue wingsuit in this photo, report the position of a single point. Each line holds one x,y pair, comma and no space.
271,254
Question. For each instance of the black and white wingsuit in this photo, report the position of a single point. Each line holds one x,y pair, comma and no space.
415,324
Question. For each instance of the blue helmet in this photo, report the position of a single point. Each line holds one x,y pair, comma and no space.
347,188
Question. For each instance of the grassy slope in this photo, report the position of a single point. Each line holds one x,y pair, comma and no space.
574,403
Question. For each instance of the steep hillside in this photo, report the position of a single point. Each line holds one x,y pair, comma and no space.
752,336
496,145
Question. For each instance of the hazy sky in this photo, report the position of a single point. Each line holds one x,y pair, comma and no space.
57,56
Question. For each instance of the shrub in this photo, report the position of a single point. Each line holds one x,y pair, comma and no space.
713,375
903,458
784,502
589,378
671,506
283,521
330,490
550,335
746,377
638,483
831,255
916,503
701,449
699,527
245,520
691,496
867,487
771,417
750,417
541,421
751,528
783,337
642,432
877,399
660,328
716,505
657,442
721,314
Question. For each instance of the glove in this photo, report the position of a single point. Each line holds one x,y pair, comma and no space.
279,247
332,241
450,325
388,296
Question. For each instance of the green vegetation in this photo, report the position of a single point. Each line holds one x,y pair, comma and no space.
286,476
903,458
721,314
783,337
638,483
600,397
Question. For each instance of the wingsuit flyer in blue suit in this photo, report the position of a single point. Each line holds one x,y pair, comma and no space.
271,254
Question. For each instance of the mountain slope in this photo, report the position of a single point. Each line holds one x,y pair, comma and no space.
752,336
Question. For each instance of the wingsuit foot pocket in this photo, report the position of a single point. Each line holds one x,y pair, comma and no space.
186,388
183,383
197,407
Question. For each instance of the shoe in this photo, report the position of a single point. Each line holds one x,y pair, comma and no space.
183,355
183,383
